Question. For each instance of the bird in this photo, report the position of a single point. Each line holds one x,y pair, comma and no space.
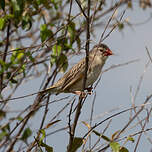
72,81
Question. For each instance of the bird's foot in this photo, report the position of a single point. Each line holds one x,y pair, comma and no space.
80,93
89,90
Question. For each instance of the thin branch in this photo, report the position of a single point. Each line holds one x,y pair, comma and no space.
69,122
102,35
79,4
143,127
140,81
139,111
149,54
78,110
5,54
107,126
45,112
116,114
69,15
91,117
113,67
103,38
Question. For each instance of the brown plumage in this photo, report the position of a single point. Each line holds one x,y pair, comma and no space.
72,81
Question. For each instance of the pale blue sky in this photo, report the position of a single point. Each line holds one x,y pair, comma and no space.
113,89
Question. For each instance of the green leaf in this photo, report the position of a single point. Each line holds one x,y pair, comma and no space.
130,139
45,32
114,134
64,43
51,123
78,43
2,114
15,4
63,61
19,118
2,23
20,55
1,43
13,81
29,54
77,142
9,16
55,3
2,4
115,146
69,46
3,134
56,50
120,26
2,63
17,56
102,136
22,70
3,66
53,59
27,133
8,74
42,131
39,2
71,32
123,149
5,129
130,4
26,22
47,147
18,6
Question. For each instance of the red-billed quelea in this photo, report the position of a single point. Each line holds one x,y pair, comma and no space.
72,81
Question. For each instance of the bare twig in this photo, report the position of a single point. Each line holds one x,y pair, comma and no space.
115,66
79,4
103,38
78,111
149,54
107,126
69,122
143,127
116,114
102,35
5,54
91,117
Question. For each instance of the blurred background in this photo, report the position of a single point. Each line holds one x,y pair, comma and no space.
115,91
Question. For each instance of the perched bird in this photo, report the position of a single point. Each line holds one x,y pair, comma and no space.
72,81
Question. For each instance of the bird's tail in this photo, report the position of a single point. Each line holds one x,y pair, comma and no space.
51,90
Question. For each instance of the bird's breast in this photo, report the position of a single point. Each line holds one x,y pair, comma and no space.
93,74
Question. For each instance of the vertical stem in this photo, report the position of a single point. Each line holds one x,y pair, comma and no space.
5,54
78,111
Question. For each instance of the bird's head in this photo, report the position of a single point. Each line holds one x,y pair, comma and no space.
103,50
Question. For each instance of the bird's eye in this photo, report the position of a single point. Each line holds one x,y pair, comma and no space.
101,49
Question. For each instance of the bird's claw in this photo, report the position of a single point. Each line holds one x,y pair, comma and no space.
89,90
83,94
80,93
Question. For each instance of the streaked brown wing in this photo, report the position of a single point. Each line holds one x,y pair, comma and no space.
73,82
74,74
